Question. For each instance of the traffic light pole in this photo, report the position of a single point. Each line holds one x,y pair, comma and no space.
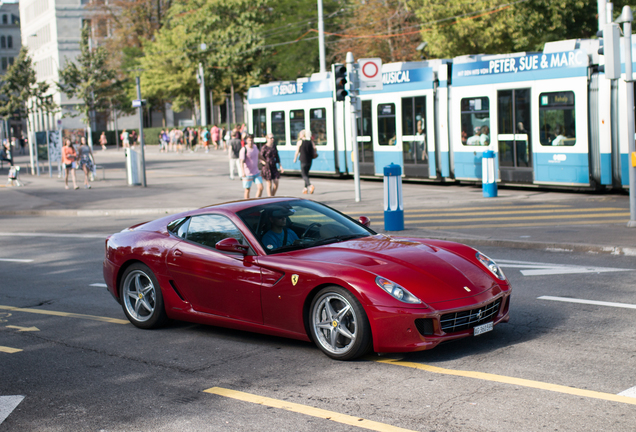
353,104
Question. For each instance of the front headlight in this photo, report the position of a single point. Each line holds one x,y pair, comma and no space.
397,291
490,265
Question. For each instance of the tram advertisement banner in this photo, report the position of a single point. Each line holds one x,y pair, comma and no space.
492,69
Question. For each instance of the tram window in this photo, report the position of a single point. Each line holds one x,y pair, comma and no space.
386,124
414,116
296,124
557,119
364,126
278,127
259,122
475,114
318,125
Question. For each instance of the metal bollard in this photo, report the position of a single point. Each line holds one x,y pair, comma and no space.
133,168
489,184
393,204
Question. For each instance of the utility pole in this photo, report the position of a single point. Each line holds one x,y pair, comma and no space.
353,104
321,39
201,79
141,133
626,19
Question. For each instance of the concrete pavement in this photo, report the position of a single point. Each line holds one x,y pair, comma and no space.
518,217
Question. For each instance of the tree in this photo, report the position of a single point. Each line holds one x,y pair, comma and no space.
379,28
21,94
229,28
89,79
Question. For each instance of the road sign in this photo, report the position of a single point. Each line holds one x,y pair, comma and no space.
370,74
137,103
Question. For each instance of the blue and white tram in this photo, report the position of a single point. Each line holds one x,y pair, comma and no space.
286,108
532,111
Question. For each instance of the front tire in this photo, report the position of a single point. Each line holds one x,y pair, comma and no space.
338,324
141,297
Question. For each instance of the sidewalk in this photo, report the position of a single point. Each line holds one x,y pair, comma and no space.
177,182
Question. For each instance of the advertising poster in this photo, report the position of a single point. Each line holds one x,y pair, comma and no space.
55,146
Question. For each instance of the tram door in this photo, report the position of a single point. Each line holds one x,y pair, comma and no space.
414,137
513,136
365,141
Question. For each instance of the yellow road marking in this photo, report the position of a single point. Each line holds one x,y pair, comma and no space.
66,314
500,225
529,213
463,209
511,218
23,329
306,410
515,381
8,350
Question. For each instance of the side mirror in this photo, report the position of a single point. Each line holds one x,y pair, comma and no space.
365,221
231,245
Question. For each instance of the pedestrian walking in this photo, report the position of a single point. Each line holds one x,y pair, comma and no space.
125,138
306,149
270,162
248,167
86,161
206,139
164,141
215,132
69,155
173,140
133,137
103,141
5,152
233,151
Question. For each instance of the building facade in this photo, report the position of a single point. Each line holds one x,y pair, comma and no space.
10,44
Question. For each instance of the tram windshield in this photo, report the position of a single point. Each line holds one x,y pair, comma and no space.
557,119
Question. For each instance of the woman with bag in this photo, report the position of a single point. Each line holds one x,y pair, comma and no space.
306,149
68,159
270,163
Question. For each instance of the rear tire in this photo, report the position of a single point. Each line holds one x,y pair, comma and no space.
141,297
339,325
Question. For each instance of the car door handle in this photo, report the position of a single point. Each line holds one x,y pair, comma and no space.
177,252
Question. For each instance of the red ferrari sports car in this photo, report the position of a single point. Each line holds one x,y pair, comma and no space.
296,268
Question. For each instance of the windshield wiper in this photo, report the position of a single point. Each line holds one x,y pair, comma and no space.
338,238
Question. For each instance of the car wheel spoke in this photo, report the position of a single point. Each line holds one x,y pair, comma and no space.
330,312
342,312
346,333
325,325
333,338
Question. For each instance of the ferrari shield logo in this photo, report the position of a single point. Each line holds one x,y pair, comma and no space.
294,279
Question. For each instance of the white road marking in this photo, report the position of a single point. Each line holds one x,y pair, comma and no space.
7,405
16,260
591,302
630,392
14,234
100,285
539,269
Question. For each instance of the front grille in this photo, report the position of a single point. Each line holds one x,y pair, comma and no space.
458,321
424,326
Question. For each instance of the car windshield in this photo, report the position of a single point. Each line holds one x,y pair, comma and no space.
291,225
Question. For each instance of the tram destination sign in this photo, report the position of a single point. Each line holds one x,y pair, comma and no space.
491,69
290,90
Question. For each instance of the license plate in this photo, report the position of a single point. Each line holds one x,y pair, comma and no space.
484,328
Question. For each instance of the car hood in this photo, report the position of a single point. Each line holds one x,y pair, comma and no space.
431,273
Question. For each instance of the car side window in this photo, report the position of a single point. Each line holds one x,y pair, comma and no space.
179,227
208,230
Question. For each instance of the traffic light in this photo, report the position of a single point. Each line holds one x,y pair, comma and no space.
339,72
610,48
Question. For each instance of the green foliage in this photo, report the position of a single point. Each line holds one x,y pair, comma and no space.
460,27
20,86
230,30
89,79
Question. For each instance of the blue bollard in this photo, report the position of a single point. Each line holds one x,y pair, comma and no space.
488,182
393,204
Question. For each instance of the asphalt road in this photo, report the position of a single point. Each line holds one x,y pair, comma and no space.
557,365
